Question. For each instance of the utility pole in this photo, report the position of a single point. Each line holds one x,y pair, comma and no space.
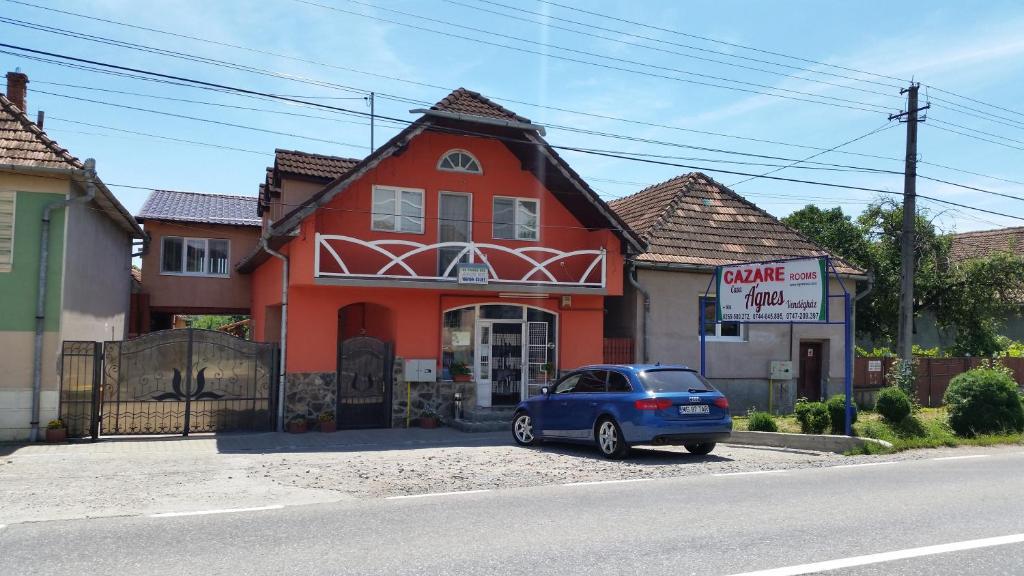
371,122
905,335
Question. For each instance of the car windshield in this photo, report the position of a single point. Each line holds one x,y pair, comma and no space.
670,380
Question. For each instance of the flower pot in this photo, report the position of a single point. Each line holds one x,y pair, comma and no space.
297,427
56,435
462,377
328,427
428,422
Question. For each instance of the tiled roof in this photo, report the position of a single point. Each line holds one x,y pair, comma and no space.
987,242
313,165
693,220
463,101
203,208
24,144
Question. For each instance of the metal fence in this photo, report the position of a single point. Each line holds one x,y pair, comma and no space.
618,351
933,374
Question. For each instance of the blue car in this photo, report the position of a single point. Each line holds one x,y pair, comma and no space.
616,406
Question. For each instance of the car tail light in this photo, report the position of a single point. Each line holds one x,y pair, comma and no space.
722,402
652,403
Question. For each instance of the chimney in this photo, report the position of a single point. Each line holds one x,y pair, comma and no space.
17,86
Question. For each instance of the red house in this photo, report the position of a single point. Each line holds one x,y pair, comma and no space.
463,260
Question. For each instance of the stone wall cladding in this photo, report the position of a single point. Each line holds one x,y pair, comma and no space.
420,395
309,394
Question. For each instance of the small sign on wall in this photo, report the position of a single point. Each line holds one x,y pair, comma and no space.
874,365
473,274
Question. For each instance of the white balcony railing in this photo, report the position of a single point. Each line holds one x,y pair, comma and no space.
542,265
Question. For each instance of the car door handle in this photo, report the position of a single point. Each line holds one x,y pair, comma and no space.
593,403
565,403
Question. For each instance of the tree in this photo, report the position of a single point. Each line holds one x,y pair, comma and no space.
833,230
979,294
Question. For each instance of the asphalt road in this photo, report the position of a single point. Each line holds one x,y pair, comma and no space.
874,518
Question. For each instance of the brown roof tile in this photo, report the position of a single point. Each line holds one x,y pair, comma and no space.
176,206
693,220
987,242
24,144
462,101
313,165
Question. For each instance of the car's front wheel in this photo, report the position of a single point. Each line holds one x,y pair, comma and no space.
700,448
522,429
610,441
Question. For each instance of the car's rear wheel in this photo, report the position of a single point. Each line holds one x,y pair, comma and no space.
700,448
522,429
609,439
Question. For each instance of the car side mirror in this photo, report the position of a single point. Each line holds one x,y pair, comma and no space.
545,390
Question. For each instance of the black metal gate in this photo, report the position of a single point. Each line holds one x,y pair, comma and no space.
364,383
171,382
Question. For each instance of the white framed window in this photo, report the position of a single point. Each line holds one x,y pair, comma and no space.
195,256
720,331
459,161
6,230
397,210
515,219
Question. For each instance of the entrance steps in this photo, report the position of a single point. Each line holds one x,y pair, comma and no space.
484,420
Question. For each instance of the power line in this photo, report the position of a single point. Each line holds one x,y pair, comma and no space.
968,135
968,128
976,189
974,100
157,136
674,52
839,102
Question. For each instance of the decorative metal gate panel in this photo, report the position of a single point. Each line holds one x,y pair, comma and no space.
364,383
171,382
80,367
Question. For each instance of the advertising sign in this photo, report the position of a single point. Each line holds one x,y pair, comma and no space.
790,291
473,274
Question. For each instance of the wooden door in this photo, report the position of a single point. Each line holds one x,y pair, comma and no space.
809,383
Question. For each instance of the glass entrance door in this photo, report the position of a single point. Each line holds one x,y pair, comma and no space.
502,361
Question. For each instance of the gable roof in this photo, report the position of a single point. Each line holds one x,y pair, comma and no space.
174,206
24,146
488,119
693,221
980,244
318,166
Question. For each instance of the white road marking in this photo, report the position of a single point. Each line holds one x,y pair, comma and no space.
435,494
750,473
2,526
863,464
888,556
221,511
962,457
592,483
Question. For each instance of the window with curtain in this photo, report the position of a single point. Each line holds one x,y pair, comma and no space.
195,256
516,219
397,210
454,226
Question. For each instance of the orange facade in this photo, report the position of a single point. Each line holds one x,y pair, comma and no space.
410,317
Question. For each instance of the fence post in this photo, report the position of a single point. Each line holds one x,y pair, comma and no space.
188,382
97,383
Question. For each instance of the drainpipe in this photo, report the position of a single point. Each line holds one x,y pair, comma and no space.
647,305
284,329
44,257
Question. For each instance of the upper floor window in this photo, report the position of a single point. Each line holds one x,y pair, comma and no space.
6,230
516,219
397,210
194,256
459,161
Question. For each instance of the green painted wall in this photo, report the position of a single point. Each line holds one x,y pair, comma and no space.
18,287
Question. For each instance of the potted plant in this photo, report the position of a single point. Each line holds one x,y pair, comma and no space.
461,372
297,425
327,422
56,432
429,418
549,370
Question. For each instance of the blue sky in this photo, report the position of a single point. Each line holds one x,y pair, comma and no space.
972,49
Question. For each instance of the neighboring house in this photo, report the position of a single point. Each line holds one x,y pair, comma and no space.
464,242
194,242
691,224
87,280
968,246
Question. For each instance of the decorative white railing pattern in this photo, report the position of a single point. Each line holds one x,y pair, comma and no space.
398,268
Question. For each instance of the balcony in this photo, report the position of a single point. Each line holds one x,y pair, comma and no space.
348,260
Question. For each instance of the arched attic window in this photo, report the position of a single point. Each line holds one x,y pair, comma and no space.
459,161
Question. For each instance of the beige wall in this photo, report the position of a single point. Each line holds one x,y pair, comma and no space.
674,338
97,275
16,350
198,294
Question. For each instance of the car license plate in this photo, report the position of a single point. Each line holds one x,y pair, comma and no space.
695,409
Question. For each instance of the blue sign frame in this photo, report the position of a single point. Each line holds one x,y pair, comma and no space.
847,324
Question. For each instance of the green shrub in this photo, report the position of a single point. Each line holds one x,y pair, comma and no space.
903,375
761,422
893,404
837,413
984,401
812,416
